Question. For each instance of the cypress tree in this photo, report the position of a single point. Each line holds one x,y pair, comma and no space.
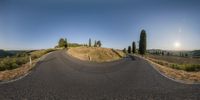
133,47
66,43
90,43
95,43
129,49
142,42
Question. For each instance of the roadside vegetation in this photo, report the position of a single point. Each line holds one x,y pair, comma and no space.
12,62
180,75
179,63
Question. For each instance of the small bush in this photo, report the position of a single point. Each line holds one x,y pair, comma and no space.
175,66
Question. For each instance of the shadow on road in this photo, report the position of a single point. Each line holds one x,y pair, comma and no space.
130,57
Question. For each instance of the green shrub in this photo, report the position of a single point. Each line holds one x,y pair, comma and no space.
192,67
175,66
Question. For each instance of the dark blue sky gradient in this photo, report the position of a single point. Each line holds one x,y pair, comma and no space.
36,24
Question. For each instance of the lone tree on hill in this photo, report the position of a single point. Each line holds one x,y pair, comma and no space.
61,43
129,49
133,47
143,42
98,43
90,43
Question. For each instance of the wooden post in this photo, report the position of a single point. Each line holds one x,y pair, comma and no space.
30,60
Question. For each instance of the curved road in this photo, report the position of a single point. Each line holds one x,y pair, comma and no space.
61,77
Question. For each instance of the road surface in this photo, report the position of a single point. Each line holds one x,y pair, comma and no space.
61,77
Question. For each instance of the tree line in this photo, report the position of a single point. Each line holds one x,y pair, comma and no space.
63,43
142,45
96,43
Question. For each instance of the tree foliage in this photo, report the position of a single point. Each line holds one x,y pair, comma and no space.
142,42
63,43
95,43
66,43
99,43
129,49
133,47
90,42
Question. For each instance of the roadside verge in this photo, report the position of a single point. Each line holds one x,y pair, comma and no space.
174,74
18,73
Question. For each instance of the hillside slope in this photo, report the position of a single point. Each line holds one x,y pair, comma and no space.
95,54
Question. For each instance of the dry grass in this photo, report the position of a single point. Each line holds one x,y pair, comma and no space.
189,77
95,54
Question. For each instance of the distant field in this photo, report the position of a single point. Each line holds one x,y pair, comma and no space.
177,60
95,54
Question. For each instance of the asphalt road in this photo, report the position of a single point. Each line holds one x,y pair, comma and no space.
61,77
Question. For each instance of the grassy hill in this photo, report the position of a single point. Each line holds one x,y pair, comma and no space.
95,54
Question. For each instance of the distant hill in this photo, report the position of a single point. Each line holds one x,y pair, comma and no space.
196,53
4,53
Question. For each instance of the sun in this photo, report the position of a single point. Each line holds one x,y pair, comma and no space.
177,44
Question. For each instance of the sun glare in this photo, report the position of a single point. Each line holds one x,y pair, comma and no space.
177,45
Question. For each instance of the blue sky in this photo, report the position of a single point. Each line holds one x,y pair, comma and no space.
37,24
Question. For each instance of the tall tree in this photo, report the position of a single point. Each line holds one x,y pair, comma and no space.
99,43
133,47
129,49
143,42
95,43
61,42
90,42
66,43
